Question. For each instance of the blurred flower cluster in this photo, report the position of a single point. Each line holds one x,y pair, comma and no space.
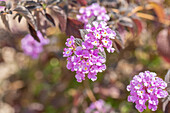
31,47
99,107
13,61
92,10
146,87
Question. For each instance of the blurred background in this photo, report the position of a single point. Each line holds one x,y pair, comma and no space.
45,85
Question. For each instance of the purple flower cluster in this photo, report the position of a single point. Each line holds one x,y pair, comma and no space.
99,107
146,87
83,60
89,56
92,10
100,36
31,47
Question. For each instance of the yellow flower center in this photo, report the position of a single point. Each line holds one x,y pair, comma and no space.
70,42
68,52
85,68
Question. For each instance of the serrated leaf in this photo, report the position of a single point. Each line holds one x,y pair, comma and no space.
78,41
27,14
49,2
33,33
165,104
103,54
118,43
168,87
167,109
167,77
5,21
61,16
83,32
30,3
166,100
91,19
163,44
33,7
167,80
125,21
50,18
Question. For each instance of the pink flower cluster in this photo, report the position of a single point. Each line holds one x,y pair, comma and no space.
92,10
146,87
83,60
99,107
100,36
31,47
88,57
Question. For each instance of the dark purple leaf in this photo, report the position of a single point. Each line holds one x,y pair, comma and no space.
60,14
163,44
19,18
82,2
138,25
50,18
73,27
118,43
33,33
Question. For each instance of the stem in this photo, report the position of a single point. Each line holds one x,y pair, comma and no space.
89,91
90,94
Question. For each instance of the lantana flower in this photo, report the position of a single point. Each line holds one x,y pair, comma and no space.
100,36
146,87
83,60
93,10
